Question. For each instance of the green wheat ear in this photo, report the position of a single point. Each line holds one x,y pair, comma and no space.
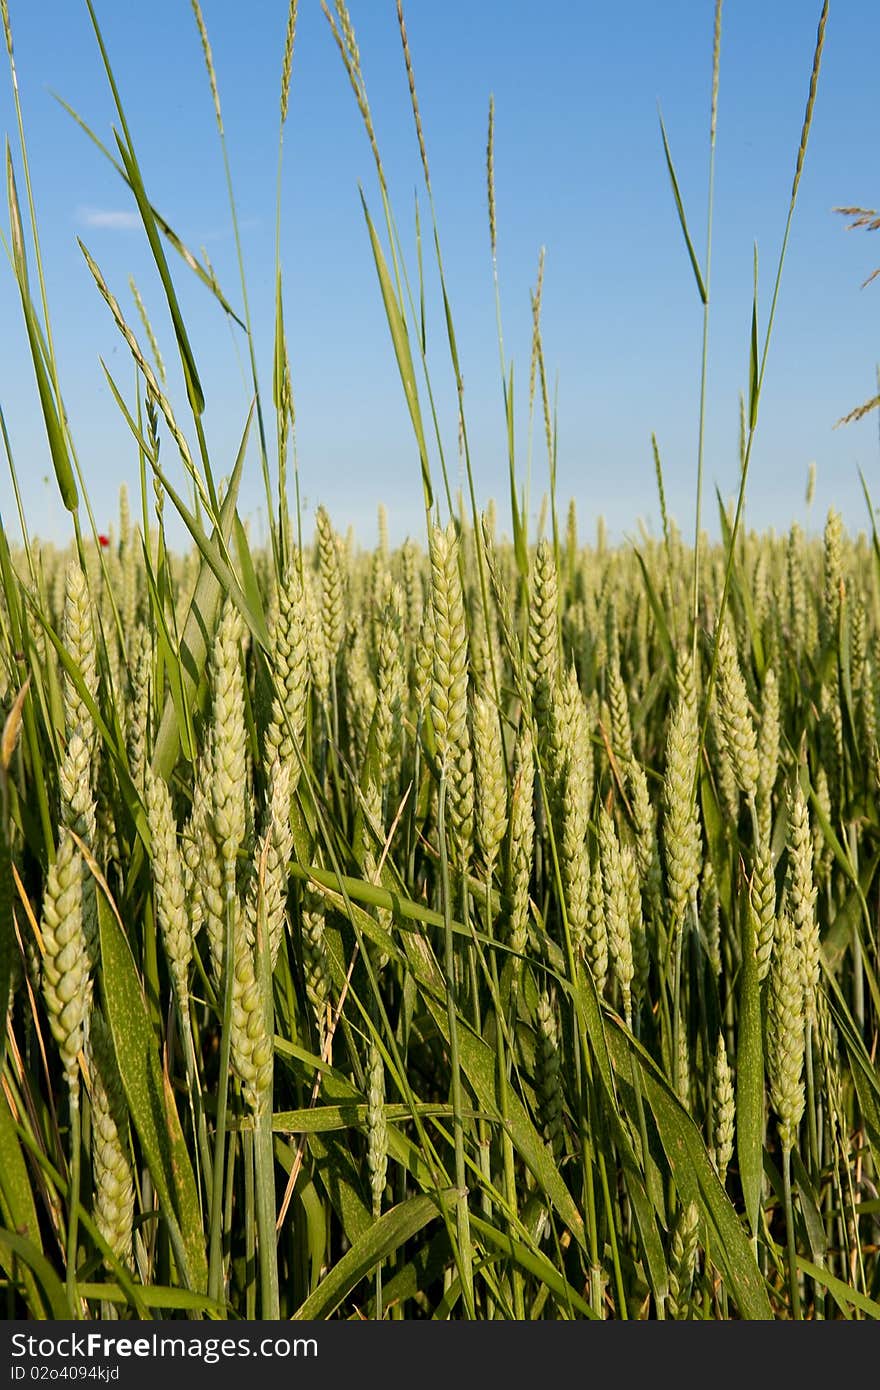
449,691
374,823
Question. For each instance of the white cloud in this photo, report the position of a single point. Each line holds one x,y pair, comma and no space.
111,219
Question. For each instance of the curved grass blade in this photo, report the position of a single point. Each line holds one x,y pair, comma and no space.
534,1263
201,621
54,431
17,1198
133,173
479,1065
385,1236
156,1296
694,1176
679,206
754,391
400,340
8,742
207,276
750,1076
843,1294
26,1251
151,1103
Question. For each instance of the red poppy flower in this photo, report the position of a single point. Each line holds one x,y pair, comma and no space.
104,541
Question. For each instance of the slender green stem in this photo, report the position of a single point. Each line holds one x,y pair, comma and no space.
73,1198
264,1164
704,356
250,1236
215,1255
502,1073
464,1254
791,1237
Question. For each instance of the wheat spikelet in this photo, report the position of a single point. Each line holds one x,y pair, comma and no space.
683,1083
616,911
377,1130
407,58
78,636
762,899
67,984
267,887
491,818
833,574
724,1110
140,706
644,826
682,839
209,62
252,1047
343,32
522,836
575,811
811,100
288,634
596,942
449,692
821,850
832,1088
768,751
148,329
490,178
412,589
314,955
621,727
710,915
543,637
359,696
785,1033
332,598
111,1153
287,62
682,1260
736,720
390,688
168,878
7,27
641,956
548,1083
537,296
228,741
727,784
802,898
797,600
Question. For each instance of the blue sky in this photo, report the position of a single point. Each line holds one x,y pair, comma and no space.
579,169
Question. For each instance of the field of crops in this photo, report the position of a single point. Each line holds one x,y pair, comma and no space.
485,927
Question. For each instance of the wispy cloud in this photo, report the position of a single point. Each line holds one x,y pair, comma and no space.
111,219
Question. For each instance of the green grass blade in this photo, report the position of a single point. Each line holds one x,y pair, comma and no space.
383,1238
150,1100
533,1262
199,627
54,431
844,1294
679,207
207,276
749,1075
754,391
37,1263
696,1179
17,1199
400,340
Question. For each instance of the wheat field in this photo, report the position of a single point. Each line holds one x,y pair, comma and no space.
483,927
